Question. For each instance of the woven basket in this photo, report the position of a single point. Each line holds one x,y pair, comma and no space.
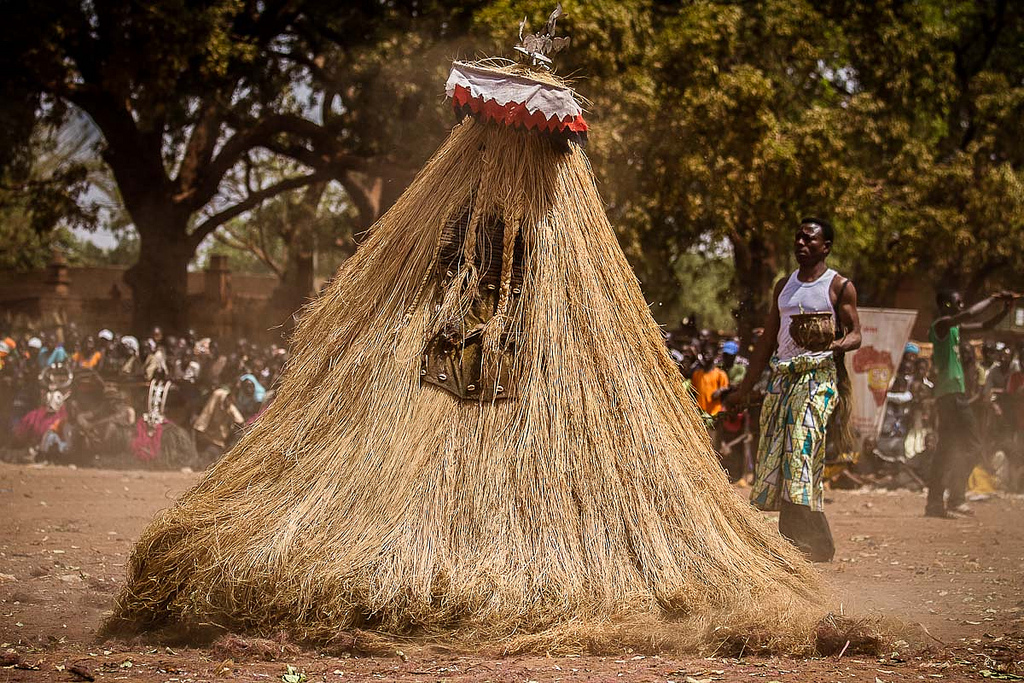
813,331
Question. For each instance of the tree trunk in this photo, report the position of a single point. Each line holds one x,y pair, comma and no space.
296,285
159,280
294,290
372,195
756,267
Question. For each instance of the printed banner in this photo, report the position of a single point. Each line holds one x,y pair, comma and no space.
873,366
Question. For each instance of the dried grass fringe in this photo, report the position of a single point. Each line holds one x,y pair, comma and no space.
588,512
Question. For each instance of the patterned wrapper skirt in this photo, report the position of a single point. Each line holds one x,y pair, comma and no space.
800,397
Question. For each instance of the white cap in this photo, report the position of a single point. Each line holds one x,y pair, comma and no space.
105,334
4,348
35,343
131,342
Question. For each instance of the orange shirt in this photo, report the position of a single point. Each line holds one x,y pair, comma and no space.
705,383
90,362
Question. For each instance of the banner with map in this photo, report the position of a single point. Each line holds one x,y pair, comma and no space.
873,366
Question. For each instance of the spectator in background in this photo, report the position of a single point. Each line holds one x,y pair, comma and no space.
89,356
216,424
156,337
33,349
989,357
999,374
974,375
731,428
993,418
1015,392
214,369
922,375
709,384
186,366
250,395
131,364
705,339
105,425
919,422
905,372
7,348
736,371
959,441
685,360
51,353
108,346
911,352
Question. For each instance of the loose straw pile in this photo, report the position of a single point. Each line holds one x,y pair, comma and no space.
586,511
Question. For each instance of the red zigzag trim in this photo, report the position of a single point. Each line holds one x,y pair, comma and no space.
516,114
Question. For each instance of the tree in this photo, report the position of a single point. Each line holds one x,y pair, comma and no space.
42,191
284,236
900,121
187,95
124,253
716,124
947,207
722,123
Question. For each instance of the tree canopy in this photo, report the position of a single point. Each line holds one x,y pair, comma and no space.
189,97
723,123
716,125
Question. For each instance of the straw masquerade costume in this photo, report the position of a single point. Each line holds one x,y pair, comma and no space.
479,434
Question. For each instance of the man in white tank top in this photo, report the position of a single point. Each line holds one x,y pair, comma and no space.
802,392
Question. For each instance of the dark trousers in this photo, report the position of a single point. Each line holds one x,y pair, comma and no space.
807,530
957,453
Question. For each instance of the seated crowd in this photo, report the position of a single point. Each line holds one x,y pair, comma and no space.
164,401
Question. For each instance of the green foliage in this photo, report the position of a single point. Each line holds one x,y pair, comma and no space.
704,278
41,199
945,199
190,98
22,248
713,123
265,239
723,122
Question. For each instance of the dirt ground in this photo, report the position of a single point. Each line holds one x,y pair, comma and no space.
65,535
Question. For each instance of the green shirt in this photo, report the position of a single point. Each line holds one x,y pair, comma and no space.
946,359
736,374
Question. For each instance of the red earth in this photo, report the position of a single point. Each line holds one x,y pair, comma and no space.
65,535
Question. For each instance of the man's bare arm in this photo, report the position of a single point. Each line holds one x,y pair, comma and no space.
849,318
975,327
968,319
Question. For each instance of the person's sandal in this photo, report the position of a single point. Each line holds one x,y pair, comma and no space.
963,510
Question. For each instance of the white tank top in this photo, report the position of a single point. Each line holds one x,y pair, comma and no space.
802,297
